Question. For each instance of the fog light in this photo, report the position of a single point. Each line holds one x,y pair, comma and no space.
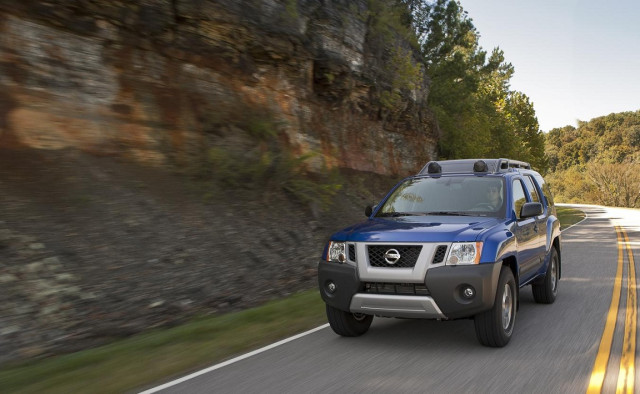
331,287
468,292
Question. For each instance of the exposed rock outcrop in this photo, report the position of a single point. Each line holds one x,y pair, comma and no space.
161,80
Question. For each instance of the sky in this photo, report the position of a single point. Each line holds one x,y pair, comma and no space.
575,59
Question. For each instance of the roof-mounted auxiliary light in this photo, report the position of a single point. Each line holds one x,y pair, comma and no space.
434,168
480,166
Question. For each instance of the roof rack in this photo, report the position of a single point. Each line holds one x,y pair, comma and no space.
473,166
508,163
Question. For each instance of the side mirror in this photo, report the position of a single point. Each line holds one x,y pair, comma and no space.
530,209
368,210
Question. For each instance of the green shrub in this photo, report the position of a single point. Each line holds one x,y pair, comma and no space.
262,128
294,179
256,161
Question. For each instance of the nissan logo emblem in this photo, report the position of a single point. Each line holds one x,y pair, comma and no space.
391,256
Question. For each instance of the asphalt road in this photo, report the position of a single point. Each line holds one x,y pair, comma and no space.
553,348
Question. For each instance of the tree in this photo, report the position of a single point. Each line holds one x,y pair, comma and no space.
470,93
618,183
453,58
530,140
597,162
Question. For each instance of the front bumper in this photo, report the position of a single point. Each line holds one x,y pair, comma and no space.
443,301
387,305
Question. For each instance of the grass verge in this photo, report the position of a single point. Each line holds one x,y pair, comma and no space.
153,357
569,216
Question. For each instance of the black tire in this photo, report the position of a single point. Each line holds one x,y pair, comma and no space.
545,291
348,324
495,326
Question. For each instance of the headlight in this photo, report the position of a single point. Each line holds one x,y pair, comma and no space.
337,252
464,253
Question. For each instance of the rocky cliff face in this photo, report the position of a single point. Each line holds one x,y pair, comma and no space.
162,81
93,249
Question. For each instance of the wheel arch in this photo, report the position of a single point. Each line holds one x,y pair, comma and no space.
512,264
556,245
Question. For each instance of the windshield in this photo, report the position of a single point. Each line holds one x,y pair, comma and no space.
456,195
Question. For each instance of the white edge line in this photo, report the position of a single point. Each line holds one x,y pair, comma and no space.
586,216
233,360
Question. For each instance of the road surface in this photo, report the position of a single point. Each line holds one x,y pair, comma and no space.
565,347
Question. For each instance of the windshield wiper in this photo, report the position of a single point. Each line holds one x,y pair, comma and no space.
447,213
435,213
397,214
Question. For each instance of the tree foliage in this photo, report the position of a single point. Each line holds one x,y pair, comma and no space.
479,115
470,95
618,184
597,162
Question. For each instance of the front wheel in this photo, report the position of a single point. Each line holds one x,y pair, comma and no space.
348,324
546,291
495,326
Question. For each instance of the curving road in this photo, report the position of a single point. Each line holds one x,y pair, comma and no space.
554,347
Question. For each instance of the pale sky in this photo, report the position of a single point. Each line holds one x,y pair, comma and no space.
575,59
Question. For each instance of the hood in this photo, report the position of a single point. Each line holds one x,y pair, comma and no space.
417,229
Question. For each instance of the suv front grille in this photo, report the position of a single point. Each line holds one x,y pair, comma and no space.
352,252
396,288
408,255
441,252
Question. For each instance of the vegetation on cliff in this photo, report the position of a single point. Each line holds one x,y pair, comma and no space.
597,162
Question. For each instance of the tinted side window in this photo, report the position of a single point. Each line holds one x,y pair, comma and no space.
547,193
532,189
546,190
518,197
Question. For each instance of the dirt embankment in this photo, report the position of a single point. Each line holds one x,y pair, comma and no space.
95,248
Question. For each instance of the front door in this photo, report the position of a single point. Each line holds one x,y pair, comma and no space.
527,234
541,220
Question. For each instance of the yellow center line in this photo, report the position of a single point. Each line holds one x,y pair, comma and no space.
627,372
600,365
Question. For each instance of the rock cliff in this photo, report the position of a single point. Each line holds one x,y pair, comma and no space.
92,248
161,81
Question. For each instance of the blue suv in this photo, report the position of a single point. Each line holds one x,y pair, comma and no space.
457,240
